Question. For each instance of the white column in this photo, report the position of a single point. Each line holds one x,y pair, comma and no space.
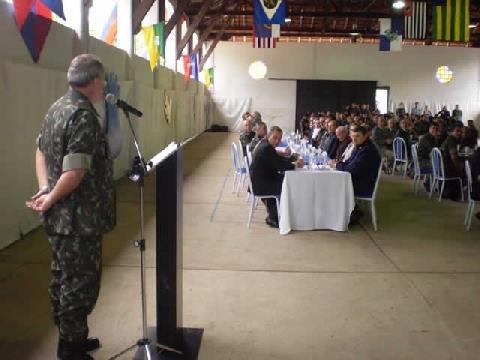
124,26
76,12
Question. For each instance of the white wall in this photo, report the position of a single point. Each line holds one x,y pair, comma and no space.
410,74
27,90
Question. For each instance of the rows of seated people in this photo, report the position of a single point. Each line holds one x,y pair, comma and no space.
355,140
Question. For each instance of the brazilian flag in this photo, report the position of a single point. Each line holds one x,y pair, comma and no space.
451,20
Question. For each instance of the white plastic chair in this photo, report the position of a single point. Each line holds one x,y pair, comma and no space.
470,202
239,170
400,155
438,172
371,199
419,173
255,198
249,155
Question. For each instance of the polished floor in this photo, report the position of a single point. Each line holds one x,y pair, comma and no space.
409,291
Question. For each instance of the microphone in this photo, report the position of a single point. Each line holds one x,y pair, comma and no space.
112,99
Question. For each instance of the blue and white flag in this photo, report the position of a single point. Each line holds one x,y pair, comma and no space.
391,31
270,11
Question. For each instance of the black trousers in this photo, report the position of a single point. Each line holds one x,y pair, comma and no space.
270,188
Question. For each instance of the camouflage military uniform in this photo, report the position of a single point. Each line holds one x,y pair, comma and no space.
245,139
71,138
254,143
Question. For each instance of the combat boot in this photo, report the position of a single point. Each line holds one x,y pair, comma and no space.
72,351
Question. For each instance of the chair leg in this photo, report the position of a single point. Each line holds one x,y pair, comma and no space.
394,167
405,170
467,213
250,213
234,182
433,183
415,182
441,190
374,216
461,189
469,224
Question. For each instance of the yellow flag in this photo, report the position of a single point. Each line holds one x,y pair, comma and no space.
152,41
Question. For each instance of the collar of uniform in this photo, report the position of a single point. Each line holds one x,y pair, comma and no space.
77,96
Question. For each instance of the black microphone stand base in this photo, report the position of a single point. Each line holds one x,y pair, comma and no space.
188,342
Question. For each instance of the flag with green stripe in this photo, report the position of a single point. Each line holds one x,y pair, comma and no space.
451,21
155,43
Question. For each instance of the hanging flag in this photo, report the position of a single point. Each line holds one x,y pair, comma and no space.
55,6
265,36
391,30
109,32
187,66
155,42
33,19
451,20
407,10
194,66
416,22
209,77
270,11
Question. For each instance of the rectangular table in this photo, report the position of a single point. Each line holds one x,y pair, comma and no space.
316,199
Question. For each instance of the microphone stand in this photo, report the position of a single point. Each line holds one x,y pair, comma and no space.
146,348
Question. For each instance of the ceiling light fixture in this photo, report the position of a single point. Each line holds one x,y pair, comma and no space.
287,20
398,4
354,33
472,26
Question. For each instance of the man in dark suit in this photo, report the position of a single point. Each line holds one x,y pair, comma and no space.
362,165
267,171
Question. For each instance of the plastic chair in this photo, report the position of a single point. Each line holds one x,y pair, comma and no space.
239,170
400,155
255,198
470,201
438,172
249,155
371,199
419,173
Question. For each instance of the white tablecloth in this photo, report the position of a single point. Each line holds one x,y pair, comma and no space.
319,199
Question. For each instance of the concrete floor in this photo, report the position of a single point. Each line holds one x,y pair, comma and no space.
409,291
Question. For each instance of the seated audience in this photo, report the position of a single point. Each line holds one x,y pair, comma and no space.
425,145
452,162
267,171
405,135
470,135
328,135
475,168
362,165
247,135
259,135
339,144
420,127
383,136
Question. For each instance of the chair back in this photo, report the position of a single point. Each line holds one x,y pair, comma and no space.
241,154
374,194
249,156
400,149
235,159
437,163
468,173
249,180
416,164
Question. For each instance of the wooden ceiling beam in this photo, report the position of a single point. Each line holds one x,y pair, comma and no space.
212,47
193,27
139,11
179,10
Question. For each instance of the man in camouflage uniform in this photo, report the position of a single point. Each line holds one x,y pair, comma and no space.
77,202
247,135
